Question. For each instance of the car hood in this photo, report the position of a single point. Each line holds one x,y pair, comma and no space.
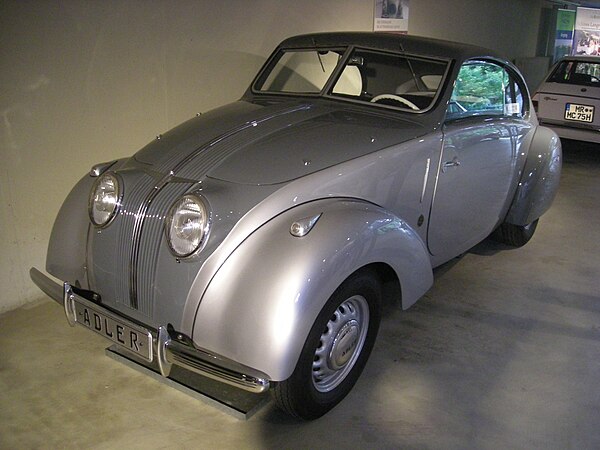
274,142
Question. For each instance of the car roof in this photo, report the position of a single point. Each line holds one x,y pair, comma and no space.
391,41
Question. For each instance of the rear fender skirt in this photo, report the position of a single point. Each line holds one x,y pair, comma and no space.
539,181
260,305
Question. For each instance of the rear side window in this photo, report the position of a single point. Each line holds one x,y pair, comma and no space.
484,88
576,72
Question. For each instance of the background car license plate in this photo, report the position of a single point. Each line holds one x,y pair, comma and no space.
129,336
579,113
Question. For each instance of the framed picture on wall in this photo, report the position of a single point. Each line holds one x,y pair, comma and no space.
391,15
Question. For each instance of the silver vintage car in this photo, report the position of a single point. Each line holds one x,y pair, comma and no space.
250,244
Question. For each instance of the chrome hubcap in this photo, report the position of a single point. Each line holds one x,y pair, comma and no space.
341,343
344,345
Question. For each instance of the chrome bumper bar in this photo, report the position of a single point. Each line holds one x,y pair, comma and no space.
169,347
172,352
50,287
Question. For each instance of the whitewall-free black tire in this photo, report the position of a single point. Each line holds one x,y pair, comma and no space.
336,350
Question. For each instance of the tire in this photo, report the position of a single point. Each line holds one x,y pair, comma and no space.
515,235
336,350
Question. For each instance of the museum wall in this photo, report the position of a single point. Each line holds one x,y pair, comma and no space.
509,27
86,81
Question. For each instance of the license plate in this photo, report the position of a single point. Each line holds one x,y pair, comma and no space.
127,335
579,113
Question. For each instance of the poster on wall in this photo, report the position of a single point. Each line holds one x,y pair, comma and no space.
391,15
587,32
565,24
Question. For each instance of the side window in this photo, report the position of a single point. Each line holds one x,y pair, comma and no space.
485,89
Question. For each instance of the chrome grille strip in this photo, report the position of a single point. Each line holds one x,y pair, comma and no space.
136,190
136,239
150,239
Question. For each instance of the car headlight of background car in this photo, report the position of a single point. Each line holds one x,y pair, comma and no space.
187,225
105,198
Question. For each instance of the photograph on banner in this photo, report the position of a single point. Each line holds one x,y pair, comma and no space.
587,32
391,15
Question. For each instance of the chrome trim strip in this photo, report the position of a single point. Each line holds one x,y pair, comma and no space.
425,179
435,187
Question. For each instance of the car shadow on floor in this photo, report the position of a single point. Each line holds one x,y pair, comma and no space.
577,152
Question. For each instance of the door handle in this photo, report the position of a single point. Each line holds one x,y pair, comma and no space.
454,163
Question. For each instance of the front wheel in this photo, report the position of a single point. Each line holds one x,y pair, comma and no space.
336,350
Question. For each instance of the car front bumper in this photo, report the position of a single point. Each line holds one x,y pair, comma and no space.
165,345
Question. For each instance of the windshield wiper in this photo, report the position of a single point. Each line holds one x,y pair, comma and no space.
418,84
318,55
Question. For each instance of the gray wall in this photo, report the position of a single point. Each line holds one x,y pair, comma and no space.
86,81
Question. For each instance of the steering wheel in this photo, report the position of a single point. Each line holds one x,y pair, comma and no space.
397,98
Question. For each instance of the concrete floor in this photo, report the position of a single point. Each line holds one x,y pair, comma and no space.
503,352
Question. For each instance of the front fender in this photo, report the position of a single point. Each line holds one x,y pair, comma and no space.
260,305
66,258
539,181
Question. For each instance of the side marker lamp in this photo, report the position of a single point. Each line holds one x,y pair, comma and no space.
302,227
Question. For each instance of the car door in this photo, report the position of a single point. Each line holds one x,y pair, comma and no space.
482,134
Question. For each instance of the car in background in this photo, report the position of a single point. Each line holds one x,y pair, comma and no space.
251,244
568,101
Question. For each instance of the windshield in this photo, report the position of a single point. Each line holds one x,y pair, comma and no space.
577,72
382,79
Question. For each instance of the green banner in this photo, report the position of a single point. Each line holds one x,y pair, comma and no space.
565,25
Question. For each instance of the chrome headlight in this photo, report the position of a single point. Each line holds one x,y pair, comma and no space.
104,199
186,226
